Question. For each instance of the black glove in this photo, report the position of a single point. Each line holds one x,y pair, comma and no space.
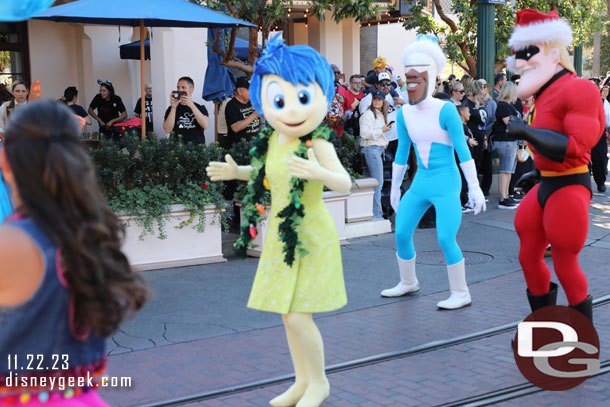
547,143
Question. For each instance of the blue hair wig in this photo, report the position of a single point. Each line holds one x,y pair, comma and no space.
295,64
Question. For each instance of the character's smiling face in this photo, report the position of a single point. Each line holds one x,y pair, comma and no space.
417,85
292,110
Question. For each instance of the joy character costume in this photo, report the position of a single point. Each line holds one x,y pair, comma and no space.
435,129
300,268
565,123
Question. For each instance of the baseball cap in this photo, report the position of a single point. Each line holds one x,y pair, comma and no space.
377,94
384,76
242,82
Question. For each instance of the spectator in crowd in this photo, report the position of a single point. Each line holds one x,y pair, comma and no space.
243,122
5,94
66,284
110,109
456,90
351,100
184,117
505,146
485,163
464,112
379,65
466,79
475,100
599,153
373,126
222,129
337,73
148,109
439,90
499,81
20,93
70,97
391,106
451,79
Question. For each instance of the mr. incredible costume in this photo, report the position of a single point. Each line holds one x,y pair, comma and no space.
566,122
435,129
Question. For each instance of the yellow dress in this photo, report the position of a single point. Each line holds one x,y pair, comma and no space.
314,283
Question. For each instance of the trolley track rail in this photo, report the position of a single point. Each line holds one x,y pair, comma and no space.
499,395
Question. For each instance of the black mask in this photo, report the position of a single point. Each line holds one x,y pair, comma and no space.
527,53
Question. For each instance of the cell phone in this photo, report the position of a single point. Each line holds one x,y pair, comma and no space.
177,94
391,123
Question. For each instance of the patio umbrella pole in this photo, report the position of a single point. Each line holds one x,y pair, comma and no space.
142,93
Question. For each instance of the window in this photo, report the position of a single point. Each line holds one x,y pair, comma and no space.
14,64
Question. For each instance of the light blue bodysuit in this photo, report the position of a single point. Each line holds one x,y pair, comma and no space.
435,129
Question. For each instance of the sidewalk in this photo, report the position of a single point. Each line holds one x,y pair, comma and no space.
210,340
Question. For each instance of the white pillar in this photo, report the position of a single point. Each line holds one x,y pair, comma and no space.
597,40
351,48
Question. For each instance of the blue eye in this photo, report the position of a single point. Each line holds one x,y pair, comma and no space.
278,102
304,97
275,95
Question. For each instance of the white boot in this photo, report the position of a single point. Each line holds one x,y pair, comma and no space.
460,296
408,280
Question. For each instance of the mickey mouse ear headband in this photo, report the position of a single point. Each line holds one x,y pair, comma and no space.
100,82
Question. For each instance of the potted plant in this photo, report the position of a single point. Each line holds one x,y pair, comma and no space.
173,214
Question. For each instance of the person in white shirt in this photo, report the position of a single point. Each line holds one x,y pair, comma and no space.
373,126
20,93
383,85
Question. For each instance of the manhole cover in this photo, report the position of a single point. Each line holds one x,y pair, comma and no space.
437,258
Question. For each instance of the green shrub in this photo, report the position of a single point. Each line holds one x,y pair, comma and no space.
144,178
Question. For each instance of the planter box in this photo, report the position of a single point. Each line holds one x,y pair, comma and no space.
359,204
335,204
182,247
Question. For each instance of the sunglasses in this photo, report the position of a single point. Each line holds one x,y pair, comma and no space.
99,82
460,91
384,83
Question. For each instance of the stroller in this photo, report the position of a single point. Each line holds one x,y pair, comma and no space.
130,126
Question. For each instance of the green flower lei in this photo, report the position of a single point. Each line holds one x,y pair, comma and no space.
292,215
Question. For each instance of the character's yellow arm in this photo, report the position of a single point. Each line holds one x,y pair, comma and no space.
218,171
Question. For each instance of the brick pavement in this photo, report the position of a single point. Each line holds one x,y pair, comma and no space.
209,364
443,376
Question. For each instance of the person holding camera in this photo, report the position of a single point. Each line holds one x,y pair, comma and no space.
185,117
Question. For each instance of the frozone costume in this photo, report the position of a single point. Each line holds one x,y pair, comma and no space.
435,129
566,121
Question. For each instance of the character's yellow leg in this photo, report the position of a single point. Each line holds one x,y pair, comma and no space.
311,343
294,393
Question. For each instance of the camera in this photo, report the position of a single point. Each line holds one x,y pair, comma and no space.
177,94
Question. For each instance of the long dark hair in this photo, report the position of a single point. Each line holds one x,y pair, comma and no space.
110,89
56,182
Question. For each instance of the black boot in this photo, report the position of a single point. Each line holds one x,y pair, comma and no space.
585,307
539,301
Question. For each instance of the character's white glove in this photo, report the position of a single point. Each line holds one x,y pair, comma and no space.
219,171
476,199
398,175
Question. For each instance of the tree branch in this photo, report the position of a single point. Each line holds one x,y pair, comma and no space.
444,17
230,51
237,64
230,7
216,44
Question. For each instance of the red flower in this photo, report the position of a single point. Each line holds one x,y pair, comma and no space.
204,186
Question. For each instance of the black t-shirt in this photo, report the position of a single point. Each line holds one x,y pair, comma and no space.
186,124
499,130
478,117
108,109
236,111
147,111
78,110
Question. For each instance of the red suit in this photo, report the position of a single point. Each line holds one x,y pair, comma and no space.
556,210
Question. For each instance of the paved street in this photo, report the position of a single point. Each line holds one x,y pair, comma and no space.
196,335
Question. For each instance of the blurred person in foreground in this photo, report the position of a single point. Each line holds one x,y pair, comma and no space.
65,285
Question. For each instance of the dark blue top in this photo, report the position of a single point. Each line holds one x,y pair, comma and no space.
41,324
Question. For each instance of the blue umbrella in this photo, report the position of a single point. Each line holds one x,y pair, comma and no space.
132,50
151,13
219,82
19,10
